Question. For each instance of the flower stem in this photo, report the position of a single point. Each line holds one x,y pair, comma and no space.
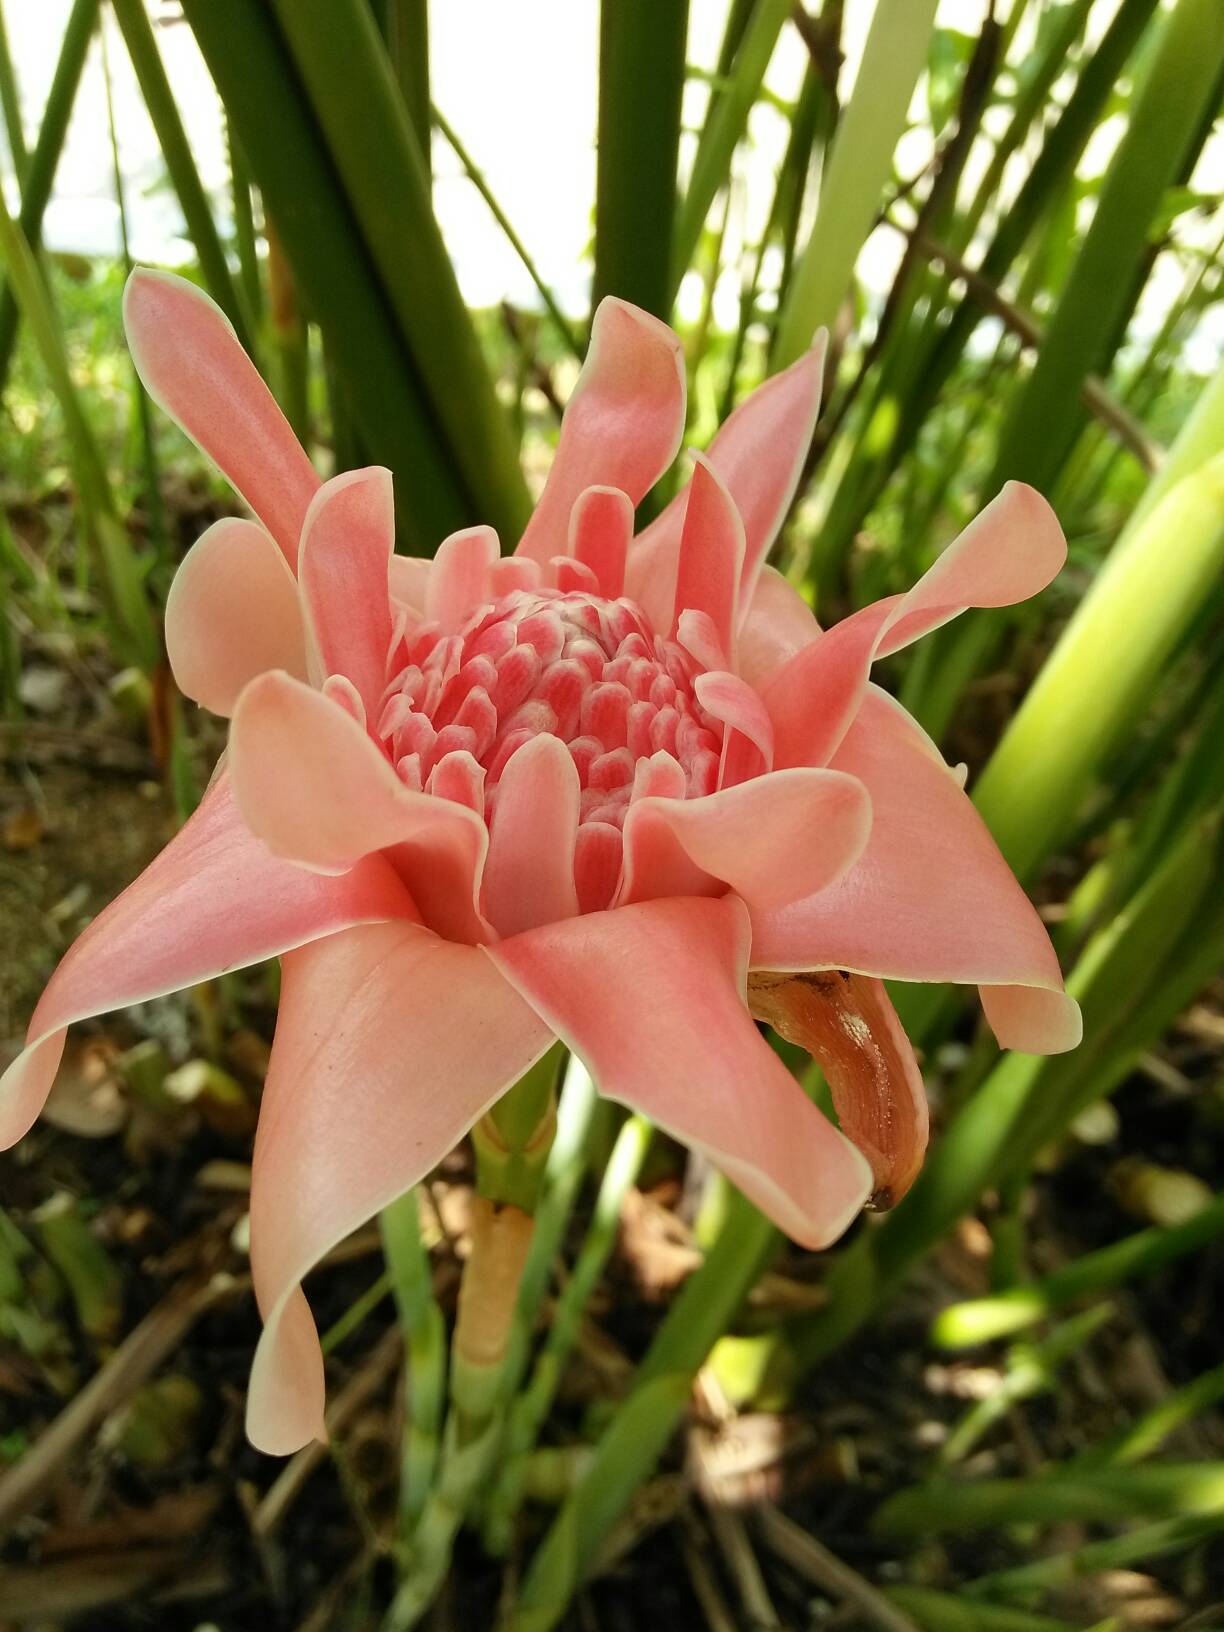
531,1408
425,1341
512,1143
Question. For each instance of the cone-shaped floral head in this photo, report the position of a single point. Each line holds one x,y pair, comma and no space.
622,791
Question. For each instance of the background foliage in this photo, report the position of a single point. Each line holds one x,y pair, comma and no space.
1051,186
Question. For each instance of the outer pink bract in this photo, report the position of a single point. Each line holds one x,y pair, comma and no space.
604,789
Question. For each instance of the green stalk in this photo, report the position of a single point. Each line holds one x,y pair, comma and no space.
530,1410
476,177
244,225
1032,1369
641,82
1139,1546
408,49
1140,1439
983,1319
858,169
563,1174
1086,322
274,124
10,104
1060,1495
138,36
425,1345
927,368
347,77
119,573
941,1612
45,157
1122,635
154,508
724,128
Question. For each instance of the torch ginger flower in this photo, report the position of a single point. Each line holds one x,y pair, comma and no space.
608,789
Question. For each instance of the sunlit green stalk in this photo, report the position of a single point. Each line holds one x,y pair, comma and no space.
641,82
1121,636
45,156
1032,1369
175,146
859,164
724,128
1062,1494
982,1319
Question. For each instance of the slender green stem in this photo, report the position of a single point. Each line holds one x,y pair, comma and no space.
425,1343
408,48
1140,1439
475,176
1090,1275
1137,1546
356,1314
244,224
10,104
724,127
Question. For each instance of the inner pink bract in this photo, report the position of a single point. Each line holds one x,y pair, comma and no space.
572,663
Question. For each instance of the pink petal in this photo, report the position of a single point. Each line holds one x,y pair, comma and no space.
711,555
759,454
389,1044
931,898
771,840
313,786
1007,553
622,425
232,613
409,577
601,525
529,874
748,745
460,579
213,900
776,624
847,1023
347,541
651,998
192,365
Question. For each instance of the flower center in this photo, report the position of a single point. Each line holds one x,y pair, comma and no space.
588,670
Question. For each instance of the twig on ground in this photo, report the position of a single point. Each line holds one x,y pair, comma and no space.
814,1561
157,1336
